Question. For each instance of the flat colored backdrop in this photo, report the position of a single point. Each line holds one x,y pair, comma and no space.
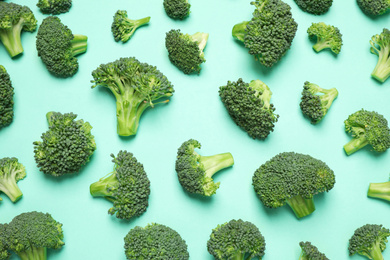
195,111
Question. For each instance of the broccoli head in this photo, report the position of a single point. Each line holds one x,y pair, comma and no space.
316,101
136,86
57,46
369,240
123,28
270,32
380,46
11,171
310,252
236,239
54,6
186,51
66,146
314,6
367,127
195,171
177,9
249,106
379,190
6,98
127,187
155,241
327,37
292,178
374,7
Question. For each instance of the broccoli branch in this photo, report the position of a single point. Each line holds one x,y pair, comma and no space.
33,253
376,252
213,164
321,44
11,38
379,190
382,69
79,44
8,185
355,144
301,206
105,186
201,39
239,32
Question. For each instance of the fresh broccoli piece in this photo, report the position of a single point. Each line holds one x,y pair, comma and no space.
236,239
374,7
327,37
314,6
316,101
380,46
57,47
127,187
14,19
379,190
186,51
268,35
195,172
177,9
123,28
6,98
11,171
249,106
4,250
292,178
136,86
369,240
367,128
54,6
310,252
155,241
66,146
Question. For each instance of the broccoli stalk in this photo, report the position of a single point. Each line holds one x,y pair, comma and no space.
213,164
11,38
11,171
105,186
380,46
379,190
35,253
79,44
301,206
355,144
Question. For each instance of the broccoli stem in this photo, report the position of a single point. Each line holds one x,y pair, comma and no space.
379,190
9,187
301,206
355,144
11,39
239,32
382,69
129,111
33,253
201,39
104,186
328,97
320,45
213,164
79,44
376,252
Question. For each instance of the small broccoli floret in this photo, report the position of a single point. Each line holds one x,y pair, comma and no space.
54,6
367,128
155,241
6,98
314,6
123,28
380,46
11,171
57,46
186,51
127,187
374,7
292,178
195,172
379,190
327,37
249,106
236,239
310,252
369,240
66,146
316,101
177,9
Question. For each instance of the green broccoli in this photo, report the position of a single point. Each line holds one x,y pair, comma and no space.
6,98
379,190
270,32
292,178
327,37
123,28
66,146
155,241
380,46
374,7
127,187
316,101
136,86
54,6
367,128
57,47
369,240
4,250
177,9
195,171
14,19
186,51
314,6
236,239
11,171
310,252
249,106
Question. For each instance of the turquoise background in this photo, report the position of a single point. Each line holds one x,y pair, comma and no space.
195,111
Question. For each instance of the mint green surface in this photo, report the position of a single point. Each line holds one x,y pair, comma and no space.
195,111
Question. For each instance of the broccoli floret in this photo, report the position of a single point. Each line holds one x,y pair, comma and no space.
316,101
186,51
369,240
6,98
292,178
379,190
327,37
11,171
374,7
66,146
249,106
195,172
123,28
136,86
268,35
57,46
314,6
236,239
54,6
310,252
177,9
14,19
380,46
155,241
367,128
127,187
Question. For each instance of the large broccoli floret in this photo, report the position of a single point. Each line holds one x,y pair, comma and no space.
57,46
369,240
268,35
127,187
292,178
155,241
316,101
379,190
177,9
66,146
249,106
11,171
314,6
186,51
310,252
123,28
14,19
367,127
236,239
195,172
380,46
54,6
6,98
374,7
327,37
136,86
